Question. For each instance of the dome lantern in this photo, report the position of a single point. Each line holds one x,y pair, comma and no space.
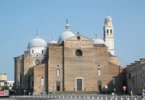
66,34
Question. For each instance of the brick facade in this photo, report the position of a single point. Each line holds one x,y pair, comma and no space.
72,68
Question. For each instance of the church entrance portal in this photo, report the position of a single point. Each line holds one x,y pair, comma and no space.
99,86
79,84
58,86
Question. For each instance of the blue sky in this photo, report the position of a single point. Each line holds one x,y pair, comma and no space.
20,20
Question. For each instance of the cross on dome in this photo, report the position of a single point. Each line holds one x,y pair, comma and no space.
67,25
37,35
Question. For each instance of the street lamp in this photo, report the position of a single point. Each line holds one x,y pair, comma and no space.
106,87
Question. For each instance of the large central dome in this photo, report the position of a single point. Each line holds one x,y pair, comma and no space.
66,34
37,42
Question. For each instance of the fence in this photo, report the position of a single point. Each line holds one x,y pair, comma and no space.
77,97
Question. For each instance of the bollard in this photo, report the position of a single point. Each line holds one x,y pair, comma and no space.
71,97
75,97
101,98
116,98
79,97
127,98
92,97
97,98
121,98
135,99
84,97
106,98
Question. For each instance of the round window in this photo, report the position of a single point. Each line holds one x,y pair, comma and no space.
37,62
78,37
79,52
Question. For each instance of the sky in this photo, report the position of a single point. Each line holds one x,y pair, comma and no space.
21,19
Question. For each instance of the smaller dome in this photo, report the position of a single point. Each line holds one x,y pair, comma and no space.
98,41
66,34
108,19
37,42
53,41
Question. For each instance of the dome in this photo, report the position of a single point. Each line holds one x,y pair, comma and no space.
66,34
98,41
108,19
53,41
37,42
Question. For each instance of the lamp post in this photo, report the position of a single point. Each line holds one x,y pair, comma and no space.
106,87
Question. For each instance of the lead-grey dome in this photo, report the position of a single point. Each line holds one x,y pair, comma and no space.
98,41
66,34
53,41
37,42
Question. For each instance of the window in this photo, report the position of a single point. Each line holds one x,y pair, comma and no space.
32,83
78,52
110,31
58,72
99,72
107,31
113,81
78,37
42,81
32,51
129,76
42,51
20,79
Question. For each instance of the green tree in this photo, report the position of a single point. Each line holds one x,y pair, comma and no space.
5,88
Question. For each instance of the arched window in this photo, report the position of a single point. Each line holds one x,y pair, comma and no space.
107,31
79,52
42,81
32,51
111,31
42,51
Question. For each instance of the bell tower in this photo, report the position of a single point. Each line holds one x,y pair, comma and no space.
109,34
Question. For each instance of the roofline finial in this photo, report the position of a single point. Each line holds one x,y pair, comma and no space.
67,25
96,36
37,34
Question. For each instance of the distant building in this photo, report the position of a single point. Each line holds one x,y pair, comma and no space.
143,75
135,76
3,79
10,84
74,63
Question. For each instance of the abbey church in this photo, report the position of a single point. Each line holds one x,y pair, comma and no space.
73,63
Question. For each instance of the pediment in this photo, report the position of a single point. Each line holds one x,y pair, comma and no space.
78,41
78,37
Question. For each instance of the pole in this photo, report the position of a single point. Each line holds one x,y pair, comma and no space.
124,92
